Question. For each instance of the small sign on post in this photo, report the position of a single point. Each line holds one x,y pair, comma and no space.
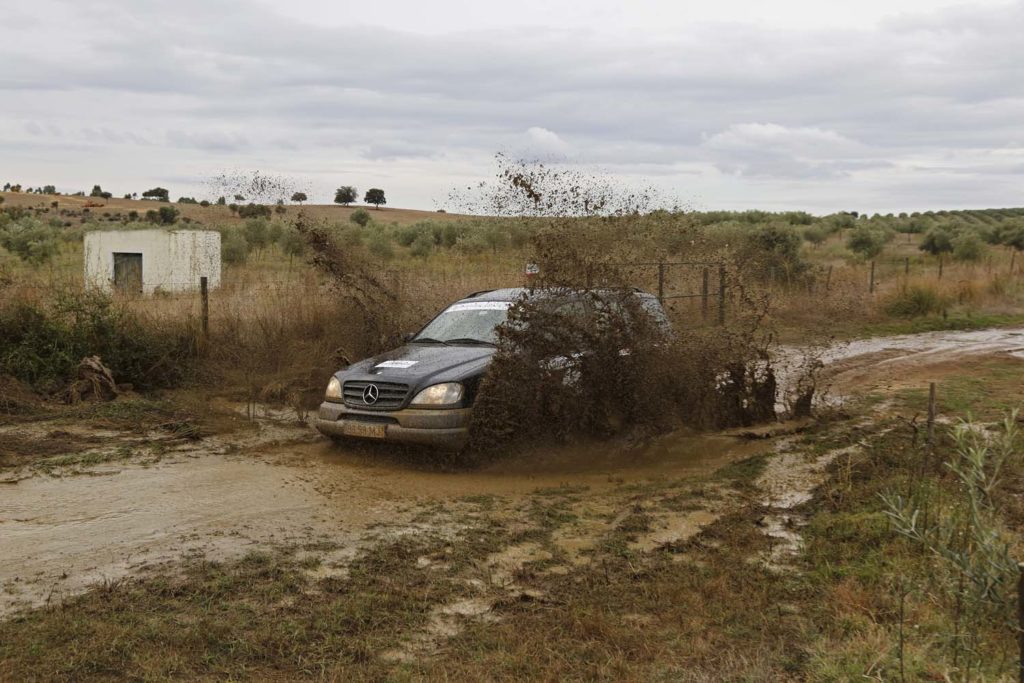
532,270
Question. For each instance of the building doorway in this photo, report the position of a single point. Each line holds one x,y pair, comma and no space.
128,273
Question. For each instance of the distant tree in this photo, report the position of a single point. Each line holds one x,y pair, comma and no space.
97,191
187,200
1014,237
375,196
937,241
239,198
157,193
816,234
345,195
866,241
205,203
968,246
233,208
128,195
233,248
15,188
274,232
299,197
257,234
292,244
254,211
280,209
360,217
49,189
165,215
221,201
7,187
775,248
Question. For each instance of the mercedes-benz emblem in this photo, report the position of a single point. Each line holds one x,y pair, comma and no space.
370,394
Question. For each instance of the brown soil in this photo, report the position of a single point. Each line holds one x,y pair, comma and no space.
149,500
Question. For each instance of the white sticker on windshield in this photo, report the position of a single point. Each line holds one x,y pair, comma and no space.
396,364
481,306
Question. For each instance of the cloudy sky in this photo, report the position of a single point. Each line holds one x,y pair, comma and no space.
878,105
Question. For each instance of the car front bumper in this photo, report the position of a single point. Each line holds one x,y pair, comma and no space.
444,428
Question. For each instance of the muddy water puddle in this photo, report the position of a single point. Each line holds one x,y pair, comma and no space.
59,535
586,466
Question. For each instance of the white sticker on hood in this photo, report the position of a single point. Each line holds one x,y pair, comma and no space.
481,306
396,364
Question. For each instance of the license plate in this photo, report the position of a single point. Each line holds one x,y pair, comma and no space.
365,430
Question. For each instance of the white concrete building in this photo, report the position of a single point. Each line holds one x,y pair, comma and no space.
154,260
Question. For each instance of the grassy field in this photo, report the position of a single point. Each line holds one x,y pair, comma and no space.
490,589
705,577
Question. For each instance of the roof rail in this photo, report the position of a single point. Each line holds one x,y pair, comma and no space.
482,291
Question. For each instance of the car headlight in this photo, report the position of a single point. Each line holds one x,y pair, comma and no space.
334,388
439,395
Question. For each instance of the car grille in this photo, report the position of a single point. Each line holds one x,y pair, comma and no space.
390,395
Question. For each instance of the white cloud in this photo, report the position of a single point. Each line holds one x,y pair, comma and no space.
543,141
819,115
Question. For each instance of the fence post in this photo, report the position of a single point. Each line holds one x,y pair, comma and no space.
931,414
871,285
1020,618
704,291
721,295
204,296
828,280
661,283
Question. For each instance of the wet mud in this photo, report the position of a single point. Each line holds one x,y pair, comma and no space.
101,518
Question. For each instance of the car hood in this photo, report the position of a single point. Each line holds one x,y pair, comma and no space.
421,365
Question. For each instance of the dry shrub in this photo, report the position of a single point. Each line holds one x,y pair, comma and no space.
581,354
914,300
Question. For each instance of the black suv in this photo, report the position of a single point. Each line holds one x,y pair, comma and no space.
423,391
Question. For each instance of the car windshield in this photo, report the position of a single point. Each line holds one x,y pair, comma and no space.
467,322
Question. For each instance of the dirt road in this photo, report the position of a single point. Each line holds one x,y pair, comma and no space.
63,531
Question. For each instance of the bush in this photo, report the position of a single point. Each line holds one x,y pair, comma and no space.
968,247
254,211
165,215
30,240
44,346
775,250
816,234
292,243
234,249
360,217
257,234
380,246
867,241
914,301
422,246
937,241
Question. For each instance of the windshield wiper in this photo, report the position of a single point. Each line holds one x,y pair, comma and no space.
469,340
427,340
